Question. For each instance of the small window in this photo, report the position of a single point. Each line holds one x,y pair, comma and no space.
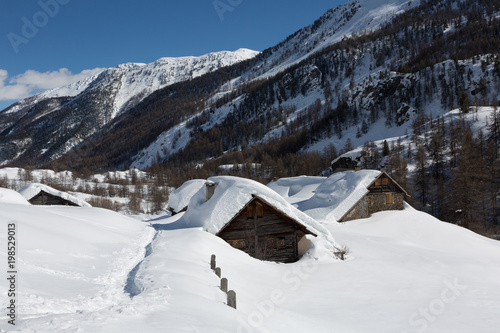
378,182
250,211
260,210
238,243
280,243
270,243
389,198
385,181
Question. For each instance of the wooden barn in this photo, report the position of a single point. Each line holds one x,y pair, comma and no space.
254,219
382,194
46,199
43,195
358,194
265,233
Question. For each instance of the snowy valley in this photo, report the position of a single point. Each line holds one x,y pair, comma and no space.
345,180
406,272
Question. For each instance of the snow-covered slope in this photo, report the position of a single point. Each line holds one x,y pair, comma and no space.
50,124
362,89
138,80
407,272
67,259
354,17
12,197
69,90
478,121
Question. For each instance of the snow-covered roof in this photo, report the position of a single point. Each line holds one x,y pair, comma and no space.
231,195
12,197
33,189
179,199
338,194
295,189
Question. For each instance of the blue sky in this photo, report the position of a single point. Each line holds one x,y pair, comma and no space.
47,43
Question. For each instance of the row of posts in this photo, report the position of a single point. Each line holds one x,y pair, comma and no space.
231,294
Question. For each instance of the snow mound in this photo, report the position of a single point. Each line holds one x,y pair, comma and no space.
231,195
296,189
33,189
179,199
12,197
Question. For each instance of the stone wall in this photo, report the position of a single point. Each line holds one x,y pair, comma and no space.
359,211
378,202
373,203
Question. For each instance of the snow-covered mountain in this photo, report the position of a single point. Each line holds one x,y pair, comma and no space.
357,63
362,71
352,18
94,102
138,80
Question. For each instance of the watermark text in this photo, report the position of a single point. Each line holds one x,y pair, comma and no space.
31,26
224,6
424,317
11,272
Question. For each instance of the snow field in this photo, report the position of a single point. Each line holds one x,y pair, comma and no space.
70,260
407,272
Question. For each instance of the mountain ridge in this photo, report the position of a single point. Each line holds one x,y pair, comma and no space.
373,74
101,97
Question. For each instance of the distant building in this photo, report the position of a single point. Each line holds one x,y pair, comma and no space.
344,164
43,195
253,218
178,200
355,195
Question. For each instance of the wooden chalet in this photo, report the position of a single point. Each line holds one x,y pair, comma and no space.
265,233
351,195
253,218
375,193
43,195
383,194
46,199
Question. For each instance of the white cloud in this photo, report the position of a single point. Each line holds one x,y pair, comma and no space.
3,76
33,82
11,92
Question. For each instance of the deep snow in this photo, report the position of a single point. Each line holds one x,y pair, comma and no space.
407,272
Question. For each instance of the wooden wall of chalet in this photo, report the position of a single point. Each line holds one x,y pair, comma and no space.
384,195
264,233
47,199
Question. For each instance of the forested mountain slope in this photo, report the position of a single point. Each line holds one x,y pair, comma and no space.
46,126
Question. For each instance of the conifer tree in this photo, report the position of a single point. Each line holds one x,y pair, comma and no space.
468,183
421,181
464,103
494,125
386,151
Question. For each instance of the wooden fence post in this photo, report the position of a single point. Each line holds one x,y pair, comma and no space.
218,271
223,285
212,262
231,298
